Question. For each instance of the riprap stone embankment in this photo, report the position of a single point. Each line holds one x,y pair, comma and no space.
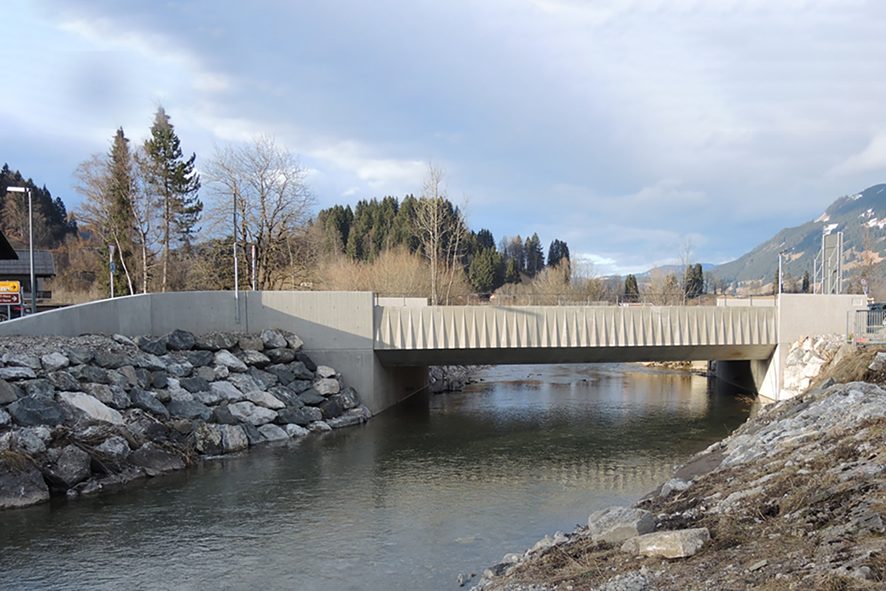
92,413
793,499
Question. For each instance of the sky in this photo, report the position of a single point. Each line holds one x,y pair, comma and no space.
630,129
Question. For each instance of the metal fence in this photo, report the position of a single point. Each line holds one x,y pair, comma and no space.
868,326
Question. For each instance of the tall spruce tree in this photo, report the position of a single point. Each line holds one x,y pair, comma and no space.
805,285
632,290
535,258
175,182
557,252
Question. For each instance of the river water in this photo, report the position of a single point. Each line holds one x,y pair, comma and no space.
432,488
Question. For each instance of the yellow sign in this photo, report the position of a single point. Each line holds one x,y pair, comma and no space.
10,286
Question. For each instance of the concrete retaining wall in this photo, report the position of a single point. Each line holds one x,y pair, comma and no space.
337,328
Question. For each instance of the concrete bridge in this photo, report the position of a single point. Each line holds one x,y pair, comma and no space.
383,346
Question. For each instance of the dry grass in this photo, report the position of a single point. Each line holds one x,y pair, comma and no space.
395,272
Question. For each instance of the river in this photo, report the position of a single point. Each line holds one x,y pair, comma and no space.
435,487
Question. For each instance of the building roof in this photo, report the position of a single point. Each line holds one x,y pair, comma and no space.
7,253
43,264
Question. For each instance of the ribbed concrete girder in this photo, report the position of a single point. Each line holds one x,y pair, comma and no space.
436,335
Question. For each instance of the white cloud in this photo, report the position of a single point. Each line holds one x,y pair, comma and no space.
871,158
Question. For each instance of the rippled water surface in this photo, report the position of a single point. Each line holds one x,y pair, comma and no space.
432,488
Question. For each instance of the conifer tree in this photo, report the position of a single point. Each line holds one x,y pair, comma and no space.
632,290
805,285
175,182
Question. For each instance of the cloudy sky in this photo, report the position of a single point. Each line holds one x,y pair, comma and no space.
626,128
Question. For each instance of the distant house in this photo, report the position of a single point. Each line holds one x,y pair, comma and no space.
18,268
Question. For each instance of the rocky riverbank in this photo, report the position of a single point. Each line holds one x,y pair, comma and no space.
89,414
451,378
794,499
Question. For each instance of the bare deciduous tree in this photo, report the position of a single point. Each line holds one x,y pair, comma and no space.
442,233
266,184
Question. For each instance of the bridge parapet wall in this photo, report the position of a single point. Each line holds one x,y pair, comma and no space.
491,327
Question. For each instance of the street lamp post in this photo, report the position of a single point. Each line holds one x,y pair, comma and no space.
30,242
236,274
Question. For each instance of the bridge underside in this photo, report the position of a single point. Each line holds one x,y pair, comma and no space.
533,355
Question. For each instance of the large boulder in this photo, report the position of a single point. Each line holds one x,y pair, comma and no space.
17,373
327,386
307,361
32,440
148,401
67,467
264,399
331,408
280,355
256,358
348,419
294,430
189,409
54,361
91,407
247,412
63,380
113,450
250,343
293,341
273,432
215,341
284,374
30,412
39,388
152,346
110,359
155,459
199,358
349,398
614,525
668,544
208,439
324,371
9,392
22,360
301,370
21,483
311,397
244,382
233,438
299,416
271,339
263,378
90,373
226,391
229,360
194,384
79,355
180,340
218,439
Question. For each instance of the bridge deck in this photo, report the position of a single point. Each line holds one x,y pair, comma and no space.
545,334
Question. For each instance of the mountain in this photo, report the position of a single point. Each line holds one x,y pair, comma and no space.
668,269
861,218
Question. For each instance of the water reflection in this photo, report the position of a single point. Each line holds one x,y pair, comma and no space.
432,488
